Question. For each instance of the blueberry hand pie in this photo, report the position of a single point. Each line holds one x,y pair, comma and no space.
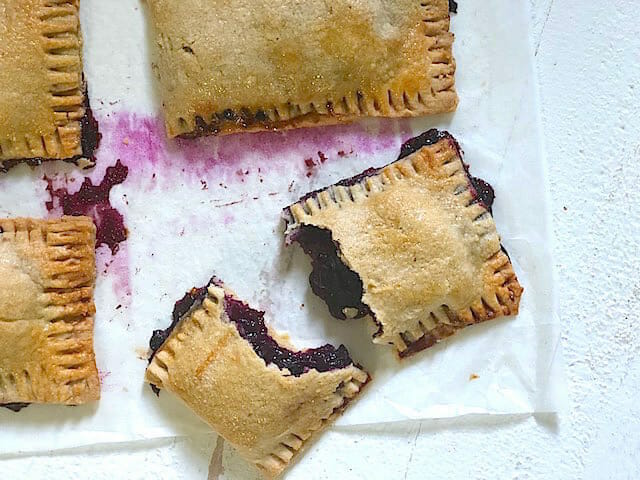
236,65
412,245
44,111
47,274
261,395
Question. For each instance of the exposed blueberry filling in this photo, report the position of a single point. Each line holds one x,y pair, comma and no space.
244,118
349,182
330,279
89,140
251,327
193,298
93,200
91,135
430,137
481,190
16,407
453,6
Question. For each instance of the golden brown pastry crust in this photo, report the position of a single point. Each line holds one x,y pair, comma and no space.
265,413
41,89
47,274
427,252
240,65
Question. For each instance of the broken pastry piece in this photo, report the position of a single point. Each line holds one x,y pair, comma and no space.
44,112
261,395
47,274
233,66
412,245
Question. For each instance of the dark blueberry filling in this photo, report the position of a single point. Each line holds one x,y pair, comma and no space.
193,298
481,190
89,140
91,135
244,118
93,201
330,279
349,182
430,137
453,6
16,407
6,165
229,114
251,327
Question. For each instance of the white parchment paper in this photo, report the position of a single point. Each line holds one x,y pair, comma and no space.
181,232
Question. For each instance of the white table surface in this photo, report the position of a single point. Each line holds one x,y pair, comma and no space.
588,63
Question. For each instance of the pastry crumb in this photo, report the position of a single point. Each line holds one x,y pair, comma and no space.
473,376
142,353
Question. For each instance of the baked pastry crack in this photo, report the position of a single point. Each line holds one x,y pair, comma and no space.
47,274
412,245
263,396
44,112
237,66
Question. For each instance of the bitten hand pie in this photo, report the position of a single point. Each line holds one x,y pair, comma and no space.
412,245
264,397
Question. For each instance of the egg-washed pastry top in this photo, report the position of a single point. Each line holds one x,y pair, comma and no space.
47,274
227,66
44,112
412,245
263,396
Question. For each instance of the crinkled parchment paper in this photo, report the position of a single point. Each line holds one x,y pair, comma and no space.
213,206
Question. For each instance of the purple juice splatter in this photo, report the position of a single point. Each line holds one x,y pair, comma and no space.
141,143
93,201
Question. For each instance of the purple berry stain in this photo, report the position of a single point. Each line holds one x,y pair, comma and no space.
140,141
93,201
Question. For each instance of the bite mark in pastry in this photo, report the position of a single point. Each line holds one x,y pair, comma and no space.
47,274
248,383
44,110
412,245
233,66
